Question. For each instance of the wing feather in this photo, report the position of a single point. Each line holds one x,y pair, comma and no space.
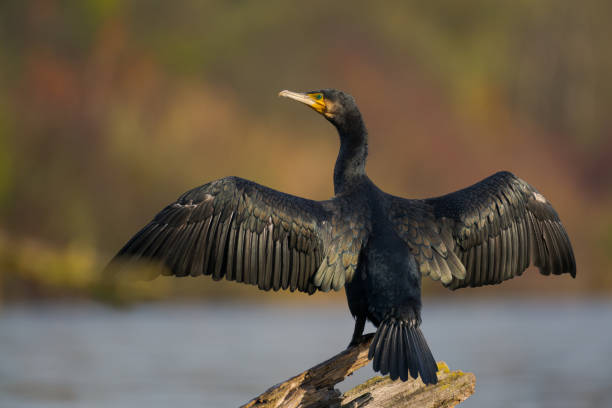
498,226
246,232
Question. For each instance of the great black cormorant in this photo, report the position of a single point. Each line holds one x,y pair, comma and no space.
374,244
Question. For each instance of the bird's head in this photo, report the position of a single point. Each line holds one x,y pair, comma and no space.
337,107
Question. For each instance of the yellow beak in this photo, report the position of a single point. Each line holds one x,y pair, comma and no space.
307,99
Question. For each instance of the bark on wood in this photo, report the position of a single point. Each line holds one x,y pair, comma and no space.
314,388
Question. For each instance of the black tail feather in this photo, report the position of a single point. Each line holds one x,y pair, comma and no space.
399,349
377,346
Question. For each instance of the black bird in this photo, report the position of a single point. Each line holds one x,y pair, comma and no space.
374,244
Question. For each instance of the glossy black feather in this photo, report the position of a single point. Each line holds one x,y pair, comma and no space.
500,226
225,229
399,348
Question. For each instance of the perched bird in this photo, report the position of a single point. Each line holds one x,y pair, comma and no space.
375,245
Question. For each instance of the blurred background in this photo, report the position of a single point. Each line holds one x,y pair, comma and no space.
109,110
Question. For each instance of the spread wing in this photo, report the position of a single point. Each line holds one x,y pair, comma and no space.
249,233
484,234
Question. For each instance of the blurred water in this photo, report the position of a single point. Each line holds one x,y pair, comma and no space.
524,353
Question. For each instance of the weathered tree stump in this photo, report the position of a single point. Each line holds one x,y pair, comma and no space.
314,388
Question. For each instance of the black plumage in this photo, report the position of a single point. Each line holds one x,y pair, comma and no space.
374,244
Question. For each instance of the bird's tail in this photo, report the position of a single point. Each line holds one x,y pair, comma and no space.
399,348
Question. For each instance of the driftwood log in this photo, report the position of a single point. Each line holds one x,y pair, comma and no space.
315,387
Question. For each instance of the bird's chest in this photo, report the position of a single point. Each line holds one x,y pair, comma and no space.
386,253
388,276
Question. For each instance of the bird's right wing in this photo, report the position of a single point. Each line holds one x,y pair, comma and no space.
485,233
249,233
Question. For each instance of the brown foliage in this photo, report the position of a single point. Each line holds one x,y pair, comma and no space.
109,110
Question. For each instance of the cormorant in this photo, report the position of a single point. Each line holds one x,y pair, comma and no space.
374,244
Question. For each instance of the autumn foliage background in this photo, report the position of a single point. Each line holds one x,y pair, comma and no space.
109,110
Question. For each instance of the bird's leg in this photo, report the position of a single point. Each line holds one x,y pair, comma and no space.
358,332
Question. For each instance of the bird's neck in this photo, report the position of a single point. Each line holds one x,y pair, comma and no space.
350,164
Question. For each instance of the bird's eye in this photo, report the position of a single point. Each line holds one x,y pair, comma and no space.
318,96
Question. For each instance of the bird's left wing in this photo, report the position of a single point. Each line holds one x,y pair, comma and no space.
248,233
484,234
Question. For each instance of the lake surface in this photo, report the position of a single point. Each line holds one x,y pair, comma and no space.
524,353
